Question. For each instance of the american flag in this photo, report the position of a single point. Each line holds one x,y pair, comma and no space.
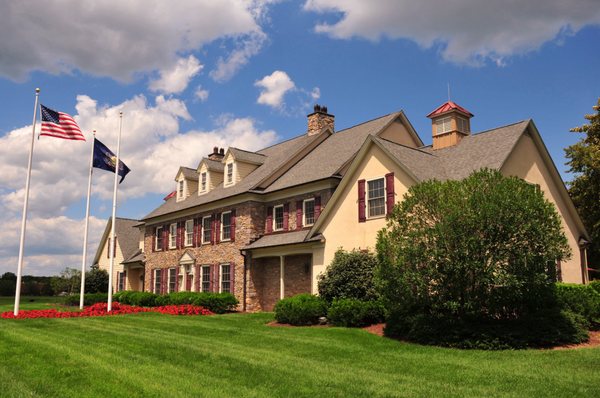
60,125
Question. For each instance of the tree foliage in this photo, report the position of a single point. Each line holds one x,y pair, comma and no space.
584,161
96,280
481,248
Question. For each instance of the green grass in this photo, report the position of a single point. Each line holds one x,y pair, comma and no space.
154,355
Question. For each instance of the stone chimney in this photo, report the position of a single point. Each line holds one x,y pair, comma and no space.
320,120
217,154
449,124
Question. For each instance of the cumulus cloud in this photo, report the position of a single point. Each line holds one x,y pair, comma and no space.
468,31
152,145
175,79
273,88
247,48
118,39
201,94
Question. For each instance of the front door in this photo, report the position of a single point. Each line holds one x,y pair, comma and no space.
188,284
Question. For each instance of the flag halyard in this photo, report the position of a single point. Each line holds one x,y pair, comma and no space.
59,125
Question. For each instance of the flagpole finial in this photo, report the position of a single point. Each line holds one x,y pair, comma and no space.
37,90
120,113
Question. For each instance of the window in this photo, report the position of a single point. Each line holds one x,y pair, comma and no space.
226,226
443,125
462,124
172,280
121,283
308,212
278,218
180,189
158,241
157,280
225,278
206,278
189,232
206,230
173,236
203,182
376,197
229,173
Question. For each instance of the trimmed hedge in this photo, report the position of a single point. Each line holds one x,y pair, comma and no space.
355,313
88,299
595,285
302,309
218,303
580,299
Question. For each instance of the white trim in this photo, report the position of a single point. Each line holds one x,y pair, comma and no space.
201,277
274,218
368,215
221,239
185,233
202,241
157,272
304,223
200,190
171,235
156,235
174,271
228,183
221,277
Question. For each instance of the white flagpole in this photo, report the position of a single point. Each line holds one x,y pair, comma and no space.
25,203
87,223
114,214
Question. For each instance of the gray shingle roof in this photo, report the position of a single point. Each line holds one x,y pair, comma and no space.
188,173
212,165
128,236
247,156
423,165
135,258
288,238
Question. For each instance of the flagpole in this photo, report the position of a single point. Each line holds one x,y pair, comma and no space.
87,223
113,246
25,203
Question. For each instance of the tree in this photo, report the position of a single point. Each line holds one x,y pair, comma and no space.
69,281
481,248
584,161
96,280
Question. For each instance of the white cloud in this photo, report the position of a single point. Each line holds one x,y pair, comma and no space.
469,31
175,79
201,94
118,39
315,94
273,88
247,48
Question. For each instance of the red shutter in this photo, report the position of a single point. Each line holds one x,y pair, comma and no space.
151,281
163,281
212,278
177,279
299,214
197,283
232,278
389,192
218,228
165,243
286,216
154,240
317,207
217,274
269,220
108,248
361,201
232,228
212,229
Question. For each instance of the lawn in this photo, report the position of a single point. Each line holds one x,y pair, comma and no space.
155,355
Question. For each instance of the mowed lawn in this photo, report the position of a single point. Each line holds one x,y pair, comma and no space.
155,355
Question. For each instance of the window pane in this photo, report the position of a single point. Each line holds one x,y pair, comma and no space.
173,235
225,278
226,226
205,279
309,212
376,195
278,218
203,186
229,172
189,232
206,230
172,280
157,281
159,239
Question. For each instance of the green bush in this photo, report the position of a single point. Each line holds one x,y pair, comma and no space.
140,299
302,309
546,329
355,313
595,285
218,303
580,299
88,299
350,275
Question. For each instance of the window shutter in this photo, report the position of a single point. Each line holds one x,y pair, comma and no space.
165,242
299,214
232,228
286,216
197,277
108,248
163,281
361,201
151,281
389,192
269,220
195,233
181,234
317,207
212,229
218,228
154,240
232,278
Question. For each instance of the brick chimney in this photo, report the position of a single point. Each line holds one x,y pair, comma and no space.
319,120
217,154
449,124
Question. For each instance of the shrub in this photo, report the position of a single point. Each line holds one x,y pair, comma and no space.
88,299
140,299
218,303
595,285
354,313
580,299
302,309
350,275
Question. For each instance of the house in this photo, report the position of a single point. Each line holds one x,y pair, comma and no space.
263,225
128,269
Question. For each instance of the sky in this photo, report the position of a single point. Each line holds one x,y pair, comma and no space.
190,75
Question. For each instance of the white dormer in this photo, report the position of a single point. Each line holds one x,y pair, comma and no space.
238,164
210,175
187,182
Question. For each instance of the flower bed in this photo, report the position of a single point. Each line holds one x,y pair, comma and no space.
100,309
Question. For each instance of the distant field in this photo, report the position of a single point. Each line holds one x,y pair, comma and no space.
154,355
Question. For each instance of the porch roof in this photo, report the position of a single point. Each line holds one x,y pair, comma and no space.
137,257
286,238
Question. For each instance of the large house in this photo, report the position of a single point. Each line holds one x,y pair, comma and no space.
263,225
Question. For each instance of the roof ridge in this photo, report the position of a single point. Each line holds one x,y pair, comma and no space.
125,218
247,151
406,146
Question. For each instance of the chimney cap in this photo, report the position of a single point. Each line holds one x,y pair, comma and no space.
222,151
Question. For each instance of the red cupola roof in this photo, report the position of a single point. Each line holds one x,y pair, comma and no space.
447,107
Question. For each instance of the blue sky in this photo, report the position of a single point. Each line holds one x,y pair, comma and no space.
189,75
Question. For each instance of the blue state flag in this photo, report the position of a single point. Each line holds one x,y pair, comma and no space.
104,159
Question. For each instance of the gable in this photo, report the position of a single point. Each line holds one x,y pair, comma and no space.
398,132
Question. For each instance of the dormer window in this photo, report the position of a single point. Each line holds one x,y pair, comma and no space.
443,125
203,182
229,173
180,191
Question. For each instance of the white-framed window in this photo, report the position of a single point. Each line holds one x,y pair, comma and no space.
189,232
173,236
205,281
376,197
226,226
462,124
157,280
121,283
158,240
225,284
278,218
203,181
308,212
180,190
229,173
443,125
206,229
172,279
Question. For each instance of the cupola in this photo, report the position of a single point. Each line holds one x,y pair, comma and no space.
449,124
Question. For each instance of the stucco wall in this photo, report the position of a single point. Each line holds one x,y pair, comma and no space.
397,132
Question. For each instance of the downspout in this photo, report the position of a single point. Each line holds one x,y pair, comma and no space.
243,254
